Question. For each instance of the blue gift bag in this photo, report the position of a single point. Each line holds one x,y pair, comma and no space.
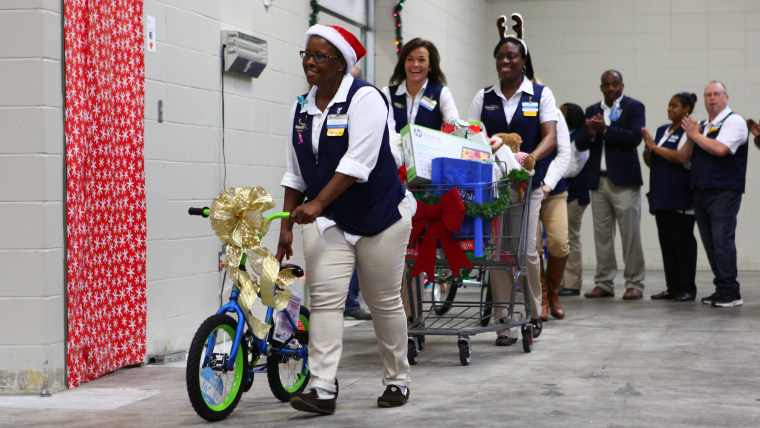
473,179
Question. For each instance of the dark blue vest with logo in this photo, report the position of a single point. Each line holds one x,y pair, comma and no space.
364,209
712,172
428,118
528,127
577,187
668,182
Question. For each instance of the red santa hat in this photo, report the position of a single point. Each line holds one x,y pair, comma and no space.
346,43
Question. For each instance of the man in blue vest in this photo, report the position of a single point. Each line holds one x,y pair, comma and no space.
612,133
717,150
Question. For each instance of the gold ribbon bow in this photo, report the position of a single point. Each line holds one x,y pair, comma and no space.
237,219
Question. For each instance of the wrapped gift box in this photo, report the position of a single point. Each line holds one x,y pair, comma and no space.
421,145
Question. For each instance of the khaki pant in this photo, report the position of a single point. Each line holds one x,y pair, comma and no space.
611,204
553,215
501,280
379,262
574,268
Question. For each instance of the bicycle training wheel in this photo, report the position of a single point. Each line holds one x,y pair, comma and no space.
289,374
213,389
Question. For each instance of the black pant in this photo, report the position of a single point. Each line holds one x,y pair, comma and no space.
679,250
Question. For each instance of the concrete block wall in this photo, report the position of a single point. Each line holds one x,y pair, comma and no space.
661,47
184,160
32,281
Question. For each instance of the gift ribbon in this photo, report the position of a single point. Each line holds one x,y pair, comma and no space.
237,219
439,221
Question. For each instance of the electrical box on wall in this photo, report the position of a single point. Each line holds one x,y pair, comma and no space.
243,53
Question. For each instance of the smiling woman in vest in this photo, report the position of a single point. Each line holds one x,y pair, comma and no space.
670,202
418,93
340,183
514,104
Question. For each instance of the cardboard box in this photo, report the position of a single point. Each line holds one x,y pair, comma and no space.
421,145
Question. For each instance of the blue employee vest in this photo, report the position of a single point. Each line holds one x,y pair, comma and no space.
668,182
577,187
719,173
528,127
428,118
364,209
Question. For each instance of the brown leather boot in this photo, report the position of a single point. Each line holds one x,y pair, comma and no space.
555,268
544,290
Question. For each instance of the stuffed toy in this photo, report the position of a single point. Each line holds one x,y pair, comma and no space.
513,141
503,141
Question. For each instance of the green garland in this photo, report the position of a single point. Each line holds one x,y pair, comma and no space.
314,12
494,208
397,17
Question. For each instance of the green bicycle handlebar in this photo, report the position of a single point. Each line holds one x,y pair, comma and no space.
205,211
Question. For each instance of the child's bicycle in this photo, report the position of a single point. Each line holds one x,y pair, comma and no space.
224,354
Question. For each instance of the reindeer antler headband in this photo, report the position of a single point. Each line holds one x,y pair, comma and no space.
503,28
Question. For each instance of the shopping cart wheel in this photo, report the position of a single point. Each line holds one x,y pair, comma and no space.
464,352
412,353
527,337
485,304
421,341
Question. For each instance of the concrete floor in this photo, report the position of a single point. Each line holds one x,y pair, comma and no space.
608,363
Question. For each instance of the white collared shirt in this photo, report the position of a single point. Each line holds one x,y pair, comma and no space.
606,112
448,107
547,107
734,131
561,161
366,137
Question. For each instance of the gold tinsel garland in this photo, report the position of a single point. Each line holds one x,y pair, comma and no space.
237,219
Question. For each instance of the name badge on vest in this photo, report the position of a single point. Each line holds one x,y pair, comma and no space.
398,105
336,125
673,138
428,103
491,107
530,108
615,114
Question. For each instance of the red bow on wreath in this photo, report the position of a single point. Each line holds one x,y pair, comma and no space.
439,222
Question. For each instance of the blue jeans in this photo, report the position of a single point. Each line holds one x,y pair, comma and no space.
715,212
353,293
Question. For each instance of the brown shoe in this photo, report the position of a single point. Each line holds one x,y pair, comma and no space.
633,294
310,402
598,292
393,397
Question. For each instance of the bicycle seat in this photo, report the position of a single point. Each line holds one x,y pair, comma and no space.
295,269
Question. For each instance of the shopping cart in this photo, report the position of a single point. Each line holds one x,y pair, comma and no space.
495,243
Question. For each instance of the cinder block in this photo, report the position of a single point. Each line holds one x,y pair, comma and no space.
179,63
33,331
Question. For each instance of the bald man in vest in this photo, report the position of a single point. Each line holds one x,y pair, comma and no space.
717,151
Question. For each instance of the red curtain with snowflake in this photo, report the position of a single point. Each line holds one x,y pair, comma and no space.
105,186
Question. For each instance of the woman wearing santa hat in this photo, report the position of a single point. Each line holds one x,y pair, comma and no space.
341,184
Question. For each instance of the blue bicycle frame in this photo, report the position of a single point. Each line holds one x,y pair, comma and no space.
260,345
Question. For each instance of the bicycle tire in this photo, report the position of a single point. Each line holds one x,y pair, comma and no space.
214,391
441,308
486,307
296,377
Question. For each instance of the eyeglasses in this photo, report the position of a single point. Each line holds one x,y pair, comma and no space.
318,57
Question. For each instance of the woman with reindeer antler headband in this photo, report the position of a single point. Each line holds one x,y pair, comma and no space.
515,105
